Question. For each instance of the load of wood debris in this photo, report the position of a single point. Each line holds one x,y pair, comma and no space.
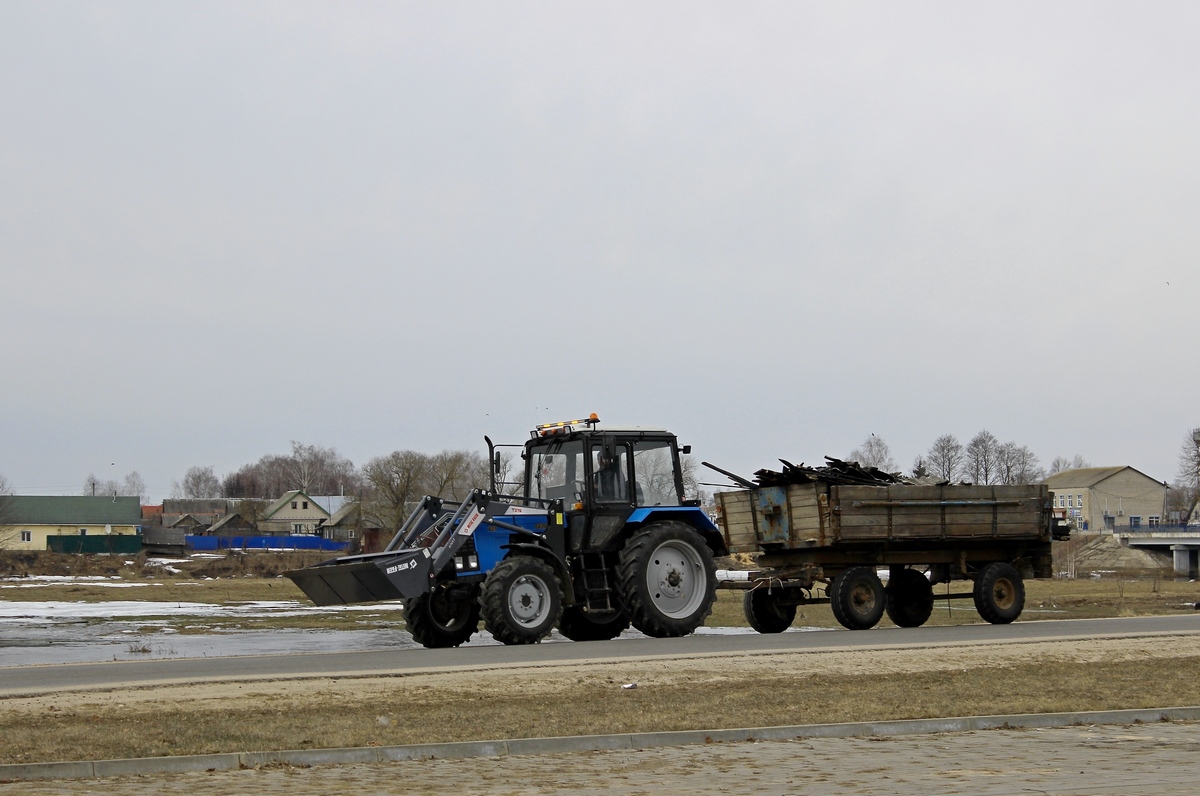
835,471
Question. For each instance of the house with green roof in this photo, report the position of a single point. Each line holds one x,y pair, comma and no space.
1108,498
28,521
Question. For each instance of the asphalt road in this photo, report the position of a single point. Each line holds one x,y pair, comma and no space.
82,676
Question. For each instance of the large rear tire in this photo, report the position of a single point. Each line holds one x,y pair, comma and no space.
447,616
766,612
667,579
579,626
909,598
857,598
521,600
999,593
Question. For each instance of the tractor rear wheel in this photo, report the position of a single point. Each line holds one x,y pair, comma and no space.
521,600
579,626
999,593
909,598
667,579
447,616
766,612
856,597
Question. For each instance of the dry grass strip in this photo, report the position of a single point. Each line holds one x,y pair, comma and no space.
795,688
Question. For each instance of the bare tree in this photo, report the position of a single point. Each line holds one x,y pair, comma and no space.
981,465
1186,489
131,486
1017,464
452,474
134,486
7,534
1061,463
320,471
315,469
945,458
874,452
691,481
1189,457
397,481
507,481
94,486
198,483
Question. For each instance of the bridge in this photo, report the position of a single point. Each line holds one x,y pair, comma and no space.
1182,540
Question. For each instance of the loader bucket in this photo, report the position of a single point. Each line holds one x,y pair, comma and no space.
364,579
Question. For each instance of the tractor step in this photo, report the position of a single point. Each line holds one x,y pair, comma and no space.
597,583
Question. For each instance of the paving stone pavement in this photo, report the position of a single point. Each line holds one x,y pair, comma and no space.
1161,758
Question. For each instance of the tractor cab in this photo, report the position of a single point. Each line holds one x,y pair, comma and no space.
607,478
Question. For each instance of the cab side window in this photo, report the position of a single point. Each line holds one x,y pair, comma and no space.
654,469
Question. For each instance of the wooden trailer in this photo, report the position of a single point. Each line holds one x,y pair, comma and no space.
839,536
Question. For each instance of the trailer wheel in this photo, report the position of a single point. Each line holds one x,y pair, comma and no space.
667,579
999,593
521,600
766,612
857,598
579,626
909,598
447,616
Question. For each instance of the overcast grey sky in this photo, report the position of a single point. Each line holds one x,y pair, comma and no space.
775,228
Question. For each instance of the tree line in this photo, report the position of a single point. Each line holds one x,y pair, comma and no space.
984,459
386,487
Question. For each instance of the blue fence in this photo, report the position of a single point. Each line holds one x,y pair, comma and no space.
212,543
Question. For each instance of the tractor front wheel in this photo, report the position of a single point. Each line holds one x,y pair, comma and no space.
447,616
667,579
521,600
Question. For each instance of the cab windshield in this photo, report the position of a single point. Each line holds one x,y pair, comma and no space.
556,471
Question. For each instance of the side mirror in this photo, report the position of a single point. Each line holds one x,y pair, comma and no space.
496,463
686,449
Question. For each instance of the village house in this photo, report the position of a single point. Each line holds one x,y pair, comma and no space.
298,513
27,521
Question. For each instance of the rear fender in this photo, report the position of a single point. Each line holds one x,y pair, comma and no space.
689,515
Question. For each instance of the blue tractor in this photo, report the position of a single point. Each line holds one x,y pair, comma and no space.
600,537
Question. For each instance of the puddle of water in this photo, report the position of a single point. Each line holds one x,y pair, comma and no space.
41,633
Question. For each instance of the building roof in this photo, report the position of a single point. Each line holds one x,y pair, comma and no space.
331,503
1087,476
187,520
343,516
228,519
275,507
72,510
196,505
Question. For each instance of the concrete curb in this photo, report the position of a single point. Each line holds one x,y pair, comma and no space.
85,769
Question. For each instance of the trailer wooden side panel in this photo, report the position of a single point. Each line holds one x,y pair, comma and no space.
871,513
737,519
793,516
817,515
